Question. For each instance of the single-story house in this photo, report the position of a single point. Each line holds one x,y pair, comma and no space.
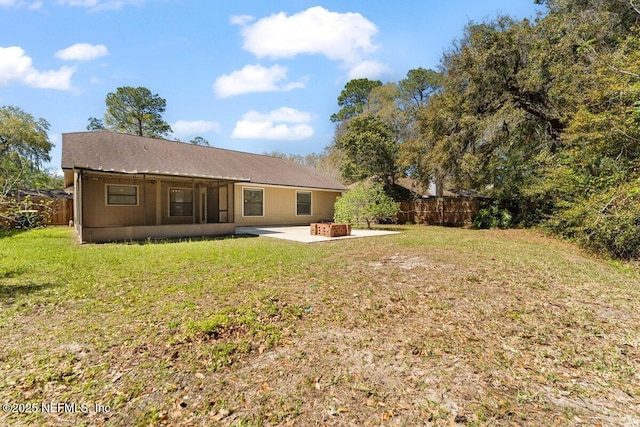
128,187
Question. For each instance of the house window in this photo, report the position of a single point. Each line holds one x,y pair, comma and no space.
253,202
303,203
122,195
180,202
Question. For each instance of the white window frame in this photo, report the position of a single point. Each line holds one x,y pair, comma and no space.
169,202
106,194
263,201
310,193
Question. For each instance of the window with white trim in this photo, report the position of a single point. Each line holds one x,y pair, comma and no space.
180,202
122,195
303,203
253,201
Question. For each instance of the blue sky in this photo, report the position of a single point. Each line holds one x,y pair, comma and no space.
249,75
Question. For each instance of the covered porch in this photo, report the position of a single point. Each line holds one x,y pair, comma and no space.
117,207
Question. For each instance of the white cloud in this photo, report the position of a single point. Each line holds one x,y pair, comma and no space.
34,5
240,19
185,128
16,66
282,114
82,52
275,125
338,36
368,69
80,3
95,5
254,78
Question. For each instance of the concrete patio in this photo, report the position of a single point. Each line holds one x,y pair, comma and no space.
302,233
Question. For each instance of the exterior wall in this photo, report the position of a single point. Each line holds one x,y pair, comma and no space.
279,206
119,234
217,207
96,212
98,221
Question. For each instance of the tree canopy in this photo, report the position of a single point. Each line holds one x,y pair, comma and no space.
24,146
135,111
377,126
198,140
354,98
543,116
369,149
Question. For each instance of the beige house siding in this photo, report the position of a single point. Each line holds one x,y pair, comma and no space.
323,204
96,220
96,212
153,201
113,234
279,205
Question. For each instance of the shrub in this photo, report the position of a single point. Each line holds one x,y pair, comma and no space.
367,202
492,217
607,222
24,213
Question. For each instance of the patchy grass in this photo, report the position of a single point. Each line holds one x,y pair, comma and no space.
434,326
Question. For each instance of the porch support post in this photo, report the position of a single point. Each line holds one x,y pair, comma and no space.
144,199
193,200
158,202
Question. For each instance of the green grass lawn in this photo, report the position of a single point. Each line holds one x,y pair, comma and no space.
433,326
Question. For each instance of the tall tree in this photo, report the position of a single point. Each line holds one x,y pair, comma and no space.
384,102
326,162
369,148
545,117
417,88
136,111
24,146
95,124
354,98
198,140
414,94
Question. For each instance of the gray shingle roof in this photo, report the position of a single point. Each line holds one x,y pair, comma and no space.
121,153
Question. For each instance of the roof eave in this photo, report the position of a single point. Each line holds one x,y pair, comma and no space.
150,172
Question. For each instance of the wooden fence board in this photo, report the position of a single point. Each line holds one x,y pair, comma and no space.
60,210
439,211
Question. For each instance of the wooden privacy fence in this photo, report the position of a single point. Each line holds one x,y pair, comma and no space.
439,211
61,212
58,211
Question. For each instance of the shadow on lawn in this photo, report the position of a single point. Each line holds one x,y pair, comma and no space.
384,227
10,274
4,233
157,241
11,292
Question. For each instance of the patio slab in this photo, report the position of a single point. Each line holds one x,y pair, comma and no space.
303,234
